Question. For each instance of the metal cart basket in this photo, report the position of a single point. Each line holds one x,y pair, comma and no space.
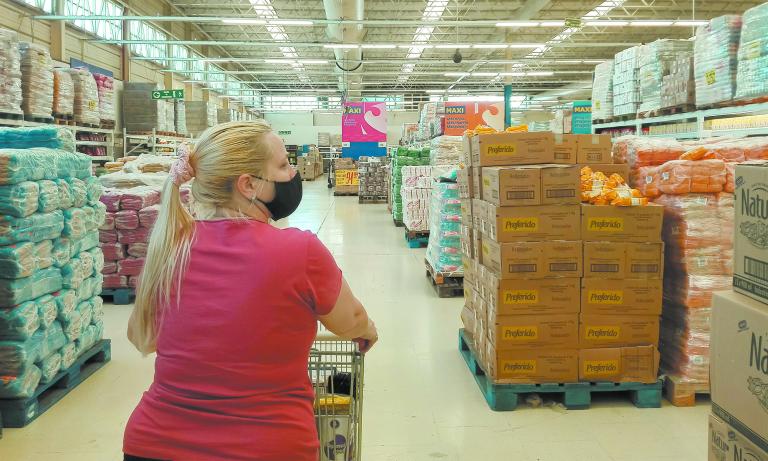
336,372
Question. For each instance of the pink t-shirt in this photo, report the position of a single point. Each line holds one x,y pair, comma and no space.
231,380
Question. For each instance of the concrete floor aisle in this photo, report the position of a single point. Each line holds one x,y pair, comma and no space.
421,402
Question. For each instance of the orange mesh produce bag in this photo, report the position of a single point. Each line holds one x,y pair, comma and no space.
692,176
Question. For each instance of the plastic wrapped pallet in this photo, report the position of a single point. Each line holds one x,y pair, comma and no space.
656,60
678,87
63,93
106,90
602,91
170,116
444,248
86,97
752,68
415,192
10,73
19,200
36,80
373,181
19,323
140,112
49,367
404,157
48,196
14,292
201,115
445,150
626,90
39,136
34,228
180,115
20,386
47,310
715,59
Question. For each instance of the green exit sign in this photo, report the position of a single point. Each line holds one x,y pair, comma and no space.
283,132
573,22
168,94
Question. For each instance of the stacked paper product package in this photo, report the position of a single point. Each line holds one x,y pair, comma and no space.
415,193
752,68
36,80
106,90
695,182
678,87
180,117
50,262
626,94
656,61
10,73
86,97
602,91
404,157
63,93
715,53
372,172
444,246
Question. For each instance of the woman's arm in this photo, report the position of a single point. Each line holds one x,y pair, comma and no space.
132,327
349,320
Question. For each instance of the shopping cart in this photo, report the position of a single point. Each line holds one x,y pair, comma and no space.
336,372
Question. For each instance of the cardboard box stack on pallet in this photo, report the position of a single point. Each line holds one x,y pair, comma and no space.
373,174
310,166
534,309
346,179
739,342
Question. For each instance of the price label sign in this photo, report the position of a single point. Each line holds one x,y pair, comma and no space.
168,94
347,178
711,77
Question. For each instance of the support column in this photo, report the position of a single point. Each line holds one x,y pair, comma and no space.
58,33
125,50
507,105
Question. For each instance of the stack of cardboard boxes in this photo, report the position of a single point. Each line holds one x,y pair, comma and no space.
373,174
534,310
738,426
310,166
346,177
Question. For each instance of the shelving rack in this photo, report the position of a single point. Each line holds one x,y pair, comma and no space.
150,143
329,153
698,119
108,143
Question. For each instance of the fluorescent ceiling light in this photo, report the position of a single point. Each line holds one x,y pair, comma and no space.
518,24
569,61
690,22
552,23
381,46
435,91
512,74
279,61
540,74
484,74
415,45
452,47
291,22
456,74
525,45
341,46
606,23
651,23
243,21
594,61
458,91
490,45
313,61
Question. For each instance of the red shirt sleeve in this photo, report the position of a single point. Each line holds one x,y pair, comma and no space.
323,277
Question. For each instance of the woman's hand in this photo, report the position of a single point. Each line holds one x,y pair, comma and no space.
367,341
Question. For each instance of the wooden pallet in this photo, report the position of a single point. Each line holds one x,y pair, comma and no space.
416,239
107,125
683,393
623,118
372,199
345,194
120,296
87,125
575,396
398,223
446,285
20,412
37,119
11,116
67,120
683,108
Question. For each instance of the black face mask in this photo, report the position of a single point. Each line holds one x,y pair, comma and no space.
287,198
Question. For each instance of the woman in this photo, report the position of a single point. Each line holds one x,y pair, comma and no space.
230,304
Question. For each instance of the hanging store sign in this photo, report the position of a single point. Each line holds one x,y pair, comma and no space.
168,94
364,122
462,116
581,117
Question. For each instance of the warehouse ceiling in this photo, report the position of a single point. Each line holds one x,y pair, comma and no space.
379,47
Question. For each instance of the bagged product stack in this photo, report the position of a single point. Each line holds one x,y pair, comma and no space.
63,93
346,179
162,117
180,116
131,214
201,115
415,193
715,59
170,116
752,68
678,87
36,80
10,73
602,91
141,113
404,157
106,89
444,247
626,90
373,178
656,60
445,150
86,97
50,264
323,139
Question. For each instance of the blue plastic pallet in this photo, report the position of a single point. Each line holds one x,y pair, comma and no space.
20,412
120,296
416,239
576,396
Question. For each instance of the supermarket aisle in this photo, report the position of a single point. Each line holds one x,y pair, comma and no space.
421,402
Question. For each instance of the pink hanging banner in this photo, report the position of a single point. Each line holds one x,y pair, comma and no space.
364,122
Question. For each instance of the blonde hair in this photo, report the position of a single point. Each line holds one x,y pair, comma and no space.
219,157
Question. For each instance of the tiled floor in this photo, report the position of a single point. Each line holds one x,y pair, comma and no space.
421,403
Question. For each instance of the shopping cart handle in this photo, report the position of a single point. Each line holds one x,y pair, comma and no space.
327,336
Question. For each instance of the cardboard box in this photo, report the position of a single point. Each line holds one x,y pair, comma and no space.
502,149
750,266
531,223
532,365
560,184
477,184
512,186
617,260
594,148
638,364
464,181
469,271
621,224
621,297
515,331
728,444
468,320
526,260
739,364
566,148
466,212
618,330
479,213
608,168
467,242
465,156
532,296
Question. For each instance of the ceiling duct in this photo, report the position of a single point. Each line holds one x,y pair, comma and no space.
348,60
